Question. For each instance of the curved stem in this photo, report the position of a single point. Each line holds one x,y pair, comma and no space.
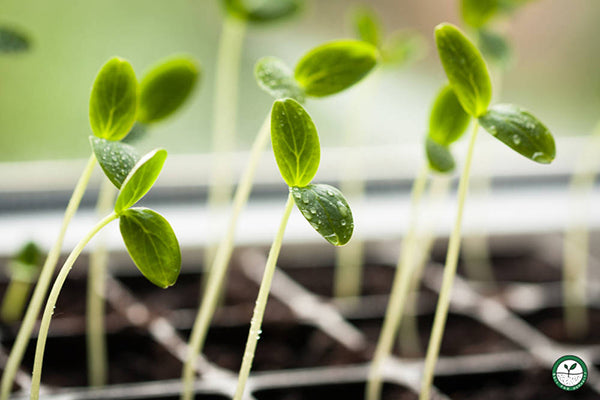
221,262
400,286
441,312
225,115
41,288
51,303
261,301
96,338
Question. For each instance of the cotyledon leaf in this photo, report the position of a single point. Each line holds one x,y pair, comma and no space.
326,209
152,245
277,79
140,179
521,131
367,25
116,158
295,142
12,41
263,11
439,157
465,68
447,121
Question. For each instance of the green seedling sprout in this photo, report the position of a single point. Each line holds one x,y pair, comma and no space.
297,152
148,237
517,128
447,123
23,271
163,90
326,70
397,49
576,240
115,78
239,14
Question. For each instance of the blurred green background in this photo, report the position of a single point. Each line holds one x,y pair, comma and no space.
44,93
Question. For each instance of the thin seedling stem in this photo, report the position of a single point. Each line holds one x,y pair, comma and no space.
96,337
41,288
576,240
221,262
51,303
225,101
441,312
402,279
261,301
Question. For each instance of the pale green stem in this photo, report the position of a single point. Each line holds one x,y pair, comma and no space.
402,279
221,262
349,260
225,100
51,303
15,299
261,302
576,240
96,339
41,288
409,335
441,312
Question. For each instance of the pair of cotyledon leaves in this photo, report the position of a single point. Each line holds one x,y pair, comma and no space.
297,152
477,13
400,47
116,103
323,71
263,11
471,89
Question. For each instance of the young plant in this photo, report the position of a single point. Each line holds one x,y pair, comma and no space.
398,49
323,71
23,271
164,88
148,237
238,15
115,81
297,152
518,129
447,123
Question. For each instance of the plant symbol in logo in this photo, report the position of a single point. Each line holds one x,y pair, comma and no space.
571,368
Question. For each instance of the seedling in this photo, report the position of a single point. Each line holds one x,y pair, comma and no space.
518,129
325,70
23,271
13,41
447,123
239,14
148,237
163,90
397,49
297,152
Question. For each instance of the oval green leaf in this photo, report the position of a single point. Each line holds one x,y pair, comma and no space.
140,179
152,245
117,159
113,102
275,78
165,87
263,11
495,48
438,156
478,13
520,131
295,142
447,121
465,69
335,66
403,47
367,25
326,209
12,41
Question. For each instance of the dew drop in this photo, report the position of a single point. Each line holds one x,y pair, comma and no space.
329,192
516,139
343,222
313,211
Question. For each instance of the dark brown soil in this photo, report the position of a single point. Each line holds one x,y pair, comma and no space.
551,323
353,391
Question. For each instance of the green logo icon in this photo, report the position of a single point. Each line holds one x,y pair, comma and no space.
569,373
